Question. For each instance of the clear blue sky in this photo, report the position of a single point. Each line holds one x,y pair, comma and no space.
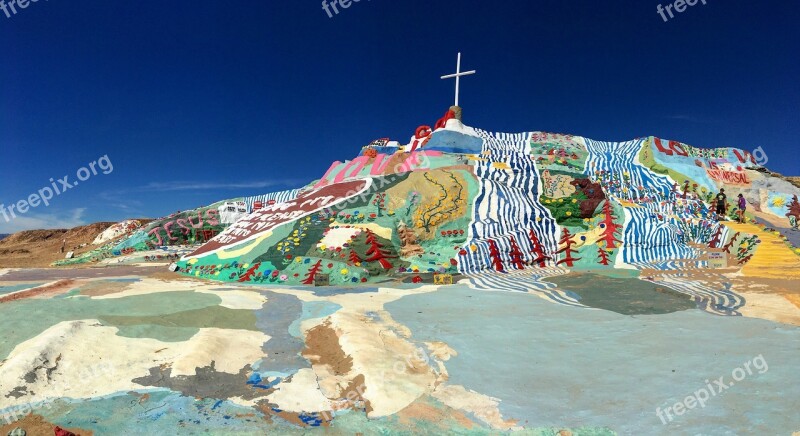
197,101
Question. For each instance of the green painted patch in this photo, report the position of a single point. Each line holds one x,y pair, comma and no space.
25,319
626,296
181,326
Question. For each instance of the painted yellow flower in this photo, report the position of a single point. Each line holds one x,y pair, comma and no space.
344,271
574,200
569,213
298,259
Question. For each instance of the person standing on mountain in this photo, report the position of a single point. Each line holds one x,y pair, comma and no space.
721,199
742,207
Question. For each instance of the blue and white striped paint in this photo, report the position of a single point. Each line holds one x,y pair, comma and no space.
651,233
717,301
527,281
507,203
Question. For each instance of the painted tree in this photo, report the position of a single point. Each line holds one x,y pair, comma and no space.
494,254
248,276
603,258
449,204
313,273
379,201
794,212
727,247
376,252
715,240
413,200
517,257
538,250
354,258
408,241
566,240
610,228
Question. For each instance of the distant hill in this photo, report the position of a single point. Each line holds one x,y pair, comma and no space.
39,248
3,236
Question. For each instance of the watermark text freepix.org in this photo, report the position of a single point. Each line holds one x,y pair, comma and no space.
678,5
335,4
10,8
56,188
700,396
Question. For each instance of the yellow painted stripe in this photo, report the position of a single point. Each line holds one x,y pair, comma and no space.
772,258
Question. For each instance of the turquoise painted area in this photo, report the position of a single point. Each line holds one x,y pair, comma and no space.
14,288
74,293
311,310
25,319
139,238
554,365
164,412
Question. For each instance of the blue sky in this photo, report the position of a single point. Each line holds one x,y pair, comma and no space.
197,101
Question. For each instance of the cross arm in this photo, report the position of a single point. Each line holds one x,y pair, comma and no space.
466,73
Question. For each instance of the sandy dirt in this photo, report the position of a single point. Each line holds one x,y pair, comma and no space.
40,248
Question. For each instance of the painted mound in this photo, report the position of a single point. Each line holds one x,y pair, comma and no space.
459,200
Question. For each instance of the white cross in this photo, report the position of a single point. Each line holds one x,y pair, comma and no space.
458,75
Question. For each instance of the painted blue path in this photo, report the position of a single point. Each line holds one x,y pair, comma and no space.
563,366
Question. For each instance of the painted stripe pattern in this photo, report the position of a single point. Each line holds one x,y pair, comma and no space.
723,301
507,203
527,281
651,233
279,197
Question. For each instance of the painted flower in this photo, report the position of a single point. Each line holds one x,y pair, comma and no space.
284,277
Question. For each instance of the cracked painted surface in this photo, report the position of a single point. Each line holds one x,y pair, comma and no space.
132,354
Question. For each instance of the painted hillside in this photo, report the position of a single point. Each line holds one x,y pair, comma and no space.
469,203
